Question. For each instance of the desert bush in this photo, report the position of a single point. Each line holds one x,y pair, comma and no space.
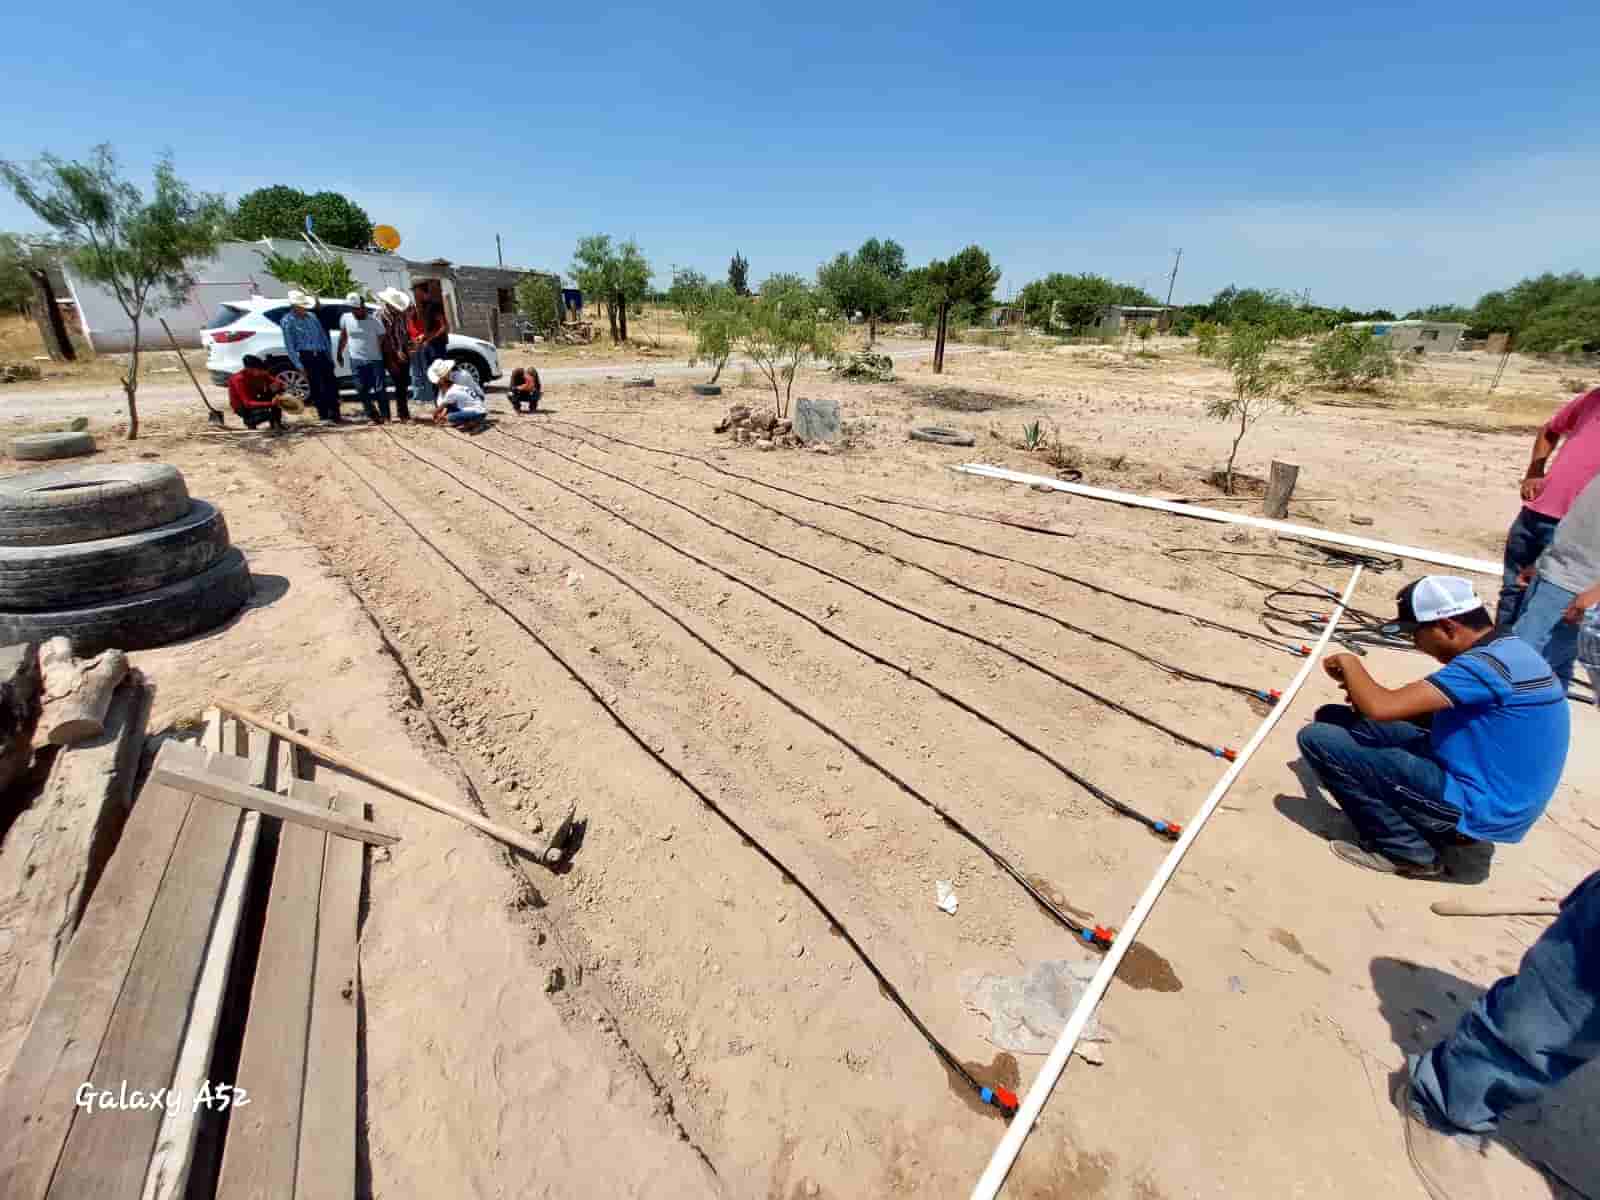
1261,382
1352,358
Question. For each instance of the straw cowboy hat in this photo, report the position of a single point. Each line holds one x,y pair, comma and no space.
440,371
300,300
395,298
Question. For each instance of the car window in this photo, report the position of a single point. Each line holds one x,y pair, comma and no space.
276,315
226,314
329,315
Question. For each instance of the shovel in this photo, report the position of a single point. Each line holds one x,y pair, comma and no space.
213,415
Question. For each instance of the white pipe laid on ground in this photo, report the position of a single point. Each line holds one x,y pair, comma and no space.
1311,533
1017,1132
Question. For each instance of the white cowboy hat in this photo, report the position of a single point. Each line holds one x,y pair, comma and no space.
300,300
441,369
356,300
395,298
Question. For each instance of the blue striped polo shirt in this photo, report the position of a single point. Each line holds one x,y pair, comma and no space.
1503,740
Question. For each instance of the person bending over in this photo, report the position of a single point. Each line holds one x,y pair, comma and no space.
526,388
458,399
253,394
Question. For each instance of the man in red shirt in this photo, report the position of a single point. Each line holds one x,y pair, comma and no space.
253,394
429,330
1547,493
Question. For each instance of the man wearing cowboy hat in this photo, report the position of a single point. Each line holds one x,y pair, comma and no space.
459,400
308,347
397,346
361,333
1470,754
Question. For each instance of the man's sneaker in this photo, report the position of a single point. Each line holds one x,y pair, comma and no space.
1360,856
1449,1166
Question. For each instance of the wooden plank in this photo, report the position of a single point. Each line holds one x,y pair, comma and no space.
1280,487
1310,533
190,770
64,1040
107,1153
327,1158
168,1174
54,853
258,1158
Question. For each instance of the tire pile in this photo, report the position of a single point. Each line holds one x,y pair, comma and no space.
115,554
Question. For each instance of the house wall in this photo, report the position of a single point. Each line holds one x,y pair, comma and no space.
234,274
483,291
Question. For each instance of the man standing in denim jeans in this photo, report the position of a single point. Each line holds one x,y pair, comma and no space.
1523,1037
1564,585
1470,754
361,334
1548,492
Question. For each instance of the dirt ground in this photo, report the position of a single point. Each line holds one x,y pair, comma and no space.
471,611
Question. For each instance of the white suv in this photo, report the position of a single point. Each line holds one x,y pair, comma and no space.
251,326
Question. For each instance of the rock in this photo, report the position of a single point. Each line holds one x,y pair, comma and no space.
19,708
867,367
797,949
810,1188
517,565
821,448
721,426
765,444
783,427
672,1047
1355,520
817,420
554,981
765,422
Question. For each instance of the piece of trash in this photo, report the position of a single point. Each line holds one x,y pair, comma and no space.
946,895
574,579
1235,984
1028,1012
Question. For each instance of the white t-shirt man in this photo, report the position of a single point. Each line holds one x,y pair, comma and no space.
463,394
364,336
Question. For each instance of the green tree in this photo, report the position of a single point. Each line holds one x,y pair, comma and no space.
138,248
739,274
887,256
783,283
20,255
781,332
1545,313
1074,301
330,277
963,283
1434,312
864,282
281,212
1352,357
716,322
688,292
1261,382
539,302
615,275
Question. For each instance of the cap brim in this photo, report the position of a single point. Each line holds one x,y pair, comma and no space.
1400,627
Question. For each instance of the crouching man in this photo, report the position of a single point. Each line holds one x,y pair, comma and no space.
457,397
254,394
1471,753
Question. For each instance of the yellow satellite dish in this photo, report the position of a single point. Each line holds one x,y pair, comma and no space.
386,236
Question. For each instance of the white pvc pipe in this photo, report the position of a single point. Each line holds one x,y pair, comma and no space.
1311,533
1017,1132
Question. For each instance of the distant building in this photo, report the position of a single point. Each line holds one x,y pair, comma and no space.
1113,319
485,298
1416,337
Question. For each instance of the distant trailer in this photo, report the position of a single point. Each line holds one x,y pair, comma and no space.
1416,337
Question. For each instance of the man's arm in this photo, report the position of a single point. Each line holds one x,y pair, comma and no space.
1543,447
1378,703
1582,602
344,340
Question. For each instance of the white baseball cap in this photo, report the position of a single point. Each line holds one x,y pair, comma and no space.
356,300
1433,598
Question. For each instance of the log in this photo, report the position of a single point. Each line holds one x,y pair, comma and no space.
82,712
186,769
1279,488
1544,906
547,852
20,695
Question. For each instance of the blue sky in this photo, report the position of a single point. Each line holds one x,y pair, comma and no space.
1371,154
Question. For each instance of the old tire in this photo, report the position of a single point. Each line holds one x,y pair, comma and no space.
80,504
141,622
32,447
706,389
42,577
640,381
941,436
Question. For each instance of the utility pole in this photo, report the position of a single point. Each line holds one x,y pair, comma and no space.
1173,279
498,254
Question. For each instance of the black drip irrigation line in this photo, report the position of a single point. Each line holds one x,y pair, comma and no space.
1001,1098
1226,752
1087,933
1266,695
1098,589
1168,829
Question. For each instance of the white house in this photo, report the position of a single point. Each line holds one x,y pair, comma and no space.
1416,337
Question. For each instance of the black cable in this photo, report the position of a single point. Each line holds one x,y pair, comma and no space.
1164,828
996,1096
1098,589
1160,664
1080,930
1152,722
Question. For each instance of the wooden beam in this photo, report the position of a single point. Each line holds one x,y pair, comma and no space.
327,1158
107,1153
1280,487
1479,566
194,771
168,1174
64,1041
258,1158
544,853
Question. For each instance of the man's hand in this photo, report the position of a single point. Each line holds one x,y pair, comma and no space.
1532,485
1525,576
1581,603
1334,665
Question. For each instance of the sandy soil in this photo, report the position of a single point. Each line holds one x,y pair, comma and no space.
1250,1040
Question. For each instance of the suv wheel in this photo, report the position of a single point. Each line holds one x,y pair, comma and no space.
293,379
474,366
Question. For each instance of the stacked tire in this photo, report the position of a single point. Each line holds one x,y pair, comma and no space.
115,554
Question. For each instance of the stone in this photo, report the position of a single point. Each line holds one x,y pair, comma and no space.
765,422
817,420
765,444
783,427
1355,520
797,949
20,698
517,565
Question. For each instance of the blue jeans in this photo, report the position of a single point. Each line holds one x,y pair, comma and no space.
1526,1033
1539,624
370,380
422,358
456,417
1383,777
1529,536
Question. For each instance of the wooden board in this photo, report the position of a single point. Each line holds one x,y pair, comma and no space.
258,1158
54,853
190,770
327,1159
64,1040
107,1154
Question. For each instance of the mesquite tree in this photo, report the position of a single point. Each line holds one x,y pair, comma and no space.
781,332
966,281
1260,384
